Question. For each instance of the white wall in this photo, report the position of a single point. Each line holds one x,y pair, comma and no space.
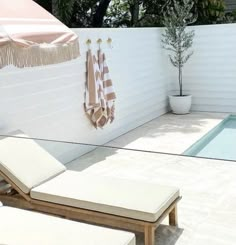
47,102
210,74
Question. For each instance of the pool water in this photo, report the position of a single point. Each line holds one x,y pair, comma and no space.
219,143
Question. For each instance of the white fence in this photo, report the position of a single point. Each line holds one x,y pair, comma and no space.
47,102
210,74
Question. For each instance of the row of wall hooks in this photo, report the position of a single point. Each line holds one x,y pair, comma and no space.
99,41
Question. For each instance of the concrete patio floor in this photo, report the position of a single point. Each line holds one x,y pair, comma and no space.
207,212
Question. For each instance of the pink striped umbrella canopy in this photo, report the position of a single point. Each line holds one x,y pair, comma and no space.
30,36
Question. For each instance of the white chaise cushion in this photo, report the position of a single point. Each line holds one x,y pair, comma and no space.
29,228
26,163
132,199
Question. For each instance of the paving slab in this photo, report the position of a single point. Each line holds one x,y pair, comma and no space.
207,211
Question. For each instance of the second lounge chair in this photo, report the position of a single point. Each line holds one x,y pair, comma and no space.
19,226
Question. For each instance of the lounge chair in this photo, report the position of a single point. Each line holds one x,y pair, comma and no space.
36,180
19,226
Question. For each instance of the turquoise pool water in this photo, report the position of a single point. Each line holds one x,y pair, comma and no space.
219,143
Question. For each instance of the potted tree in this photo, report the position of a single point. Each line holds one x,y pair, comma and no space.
178,41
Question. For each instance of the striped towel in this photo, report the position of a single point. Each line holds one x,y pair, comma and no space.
108,90
95,104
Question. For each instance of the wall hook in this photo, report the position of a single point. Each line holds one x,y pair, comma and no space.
109,41
88,42
99,41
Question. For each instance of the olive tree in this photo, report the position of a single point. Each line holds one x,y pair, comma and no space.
176,38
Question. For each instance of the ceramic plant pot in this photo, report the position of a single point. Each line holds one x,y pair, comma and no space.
180,104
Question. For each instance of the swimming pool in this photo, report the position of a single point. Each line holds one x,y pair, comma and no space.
219,143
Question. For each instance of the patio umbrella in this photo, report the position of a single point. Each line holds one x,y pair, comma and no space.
30,36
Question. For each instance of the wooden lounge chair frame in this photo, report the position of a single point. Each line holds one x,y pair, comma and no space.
12,196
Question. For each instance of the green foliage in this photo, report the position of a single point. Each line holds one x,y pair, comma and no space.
74,13
210,11
153,12
175,37
83,13
230,17
234,14
131,13
64,10
135,13
118,14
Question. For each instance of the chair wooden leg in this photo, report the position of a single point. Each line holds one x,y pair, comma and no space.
149,235
173,217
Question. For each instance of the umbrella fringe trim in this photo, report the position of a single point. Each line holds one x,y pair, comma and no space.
37,55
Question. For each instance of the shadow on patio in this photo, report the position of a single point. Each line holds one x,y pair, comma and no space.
169,133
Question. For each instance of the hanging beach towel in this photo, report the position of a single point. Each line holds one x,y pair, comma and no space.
95,104
109,93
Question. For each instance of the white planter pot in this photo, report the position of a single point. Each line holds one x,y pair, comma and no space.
180,104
